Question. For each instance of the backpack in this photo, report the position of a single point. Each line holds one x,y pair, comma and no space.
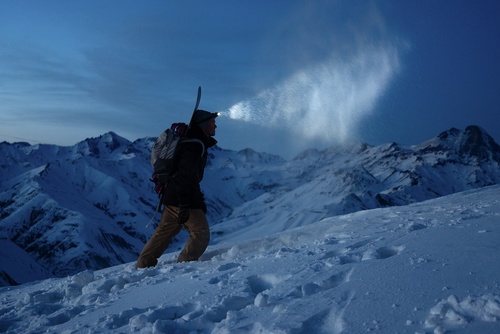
164,154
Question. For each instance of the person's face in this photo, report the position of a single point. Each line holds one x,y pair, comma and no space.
209,129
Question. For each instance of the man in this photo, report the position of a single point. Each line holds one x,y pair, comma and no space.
184,202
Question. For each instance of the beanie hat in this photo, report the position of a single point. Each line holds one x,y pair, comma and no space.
202,117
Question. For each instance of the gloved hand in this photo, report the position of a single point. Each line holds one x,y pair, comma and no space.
183,215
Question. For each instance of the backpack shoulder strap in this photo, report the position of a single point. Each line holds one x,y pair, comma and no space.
194,140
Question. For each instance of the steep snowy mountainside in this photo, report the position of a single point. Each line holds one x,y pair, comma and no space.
86,206
473,143
357,177
78,207
22,266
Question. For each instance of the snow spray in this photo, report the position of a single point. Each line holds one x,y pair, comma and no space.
326,101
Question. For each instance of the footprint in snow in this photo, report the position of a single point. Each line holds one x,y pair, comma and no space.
227,266
415,227
313,288
387,252
260,283
164,319
345,256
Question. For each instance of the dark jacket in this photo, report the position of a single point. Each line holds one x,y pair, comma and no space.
183,188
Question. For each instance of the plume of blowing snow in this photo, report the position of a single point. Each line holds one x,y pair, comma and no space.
326,101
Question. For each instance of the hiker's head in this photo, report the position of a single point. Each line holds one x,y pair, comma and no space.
206,121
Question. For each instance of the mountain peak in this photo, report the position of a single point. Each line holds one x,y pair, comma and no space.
474,142
453,132
106,143
113,139
477,142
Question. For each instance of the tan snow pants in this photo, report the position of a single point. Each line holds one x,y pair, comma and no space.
198,229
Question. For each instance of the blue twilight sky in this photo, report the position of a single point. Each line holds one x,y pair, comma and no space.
286,74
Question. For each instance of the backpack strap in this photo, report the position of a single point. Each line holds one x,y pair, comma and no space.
194,140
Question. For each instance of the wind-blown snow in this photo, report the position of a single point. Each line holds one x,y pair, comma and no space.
430,267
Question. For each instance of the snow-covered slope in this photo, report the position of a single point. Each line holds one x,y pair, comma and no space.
429,267
79,207
349,178
86,206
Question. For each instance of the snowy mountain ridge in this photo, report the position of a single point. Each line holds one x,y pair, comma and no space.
68,209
